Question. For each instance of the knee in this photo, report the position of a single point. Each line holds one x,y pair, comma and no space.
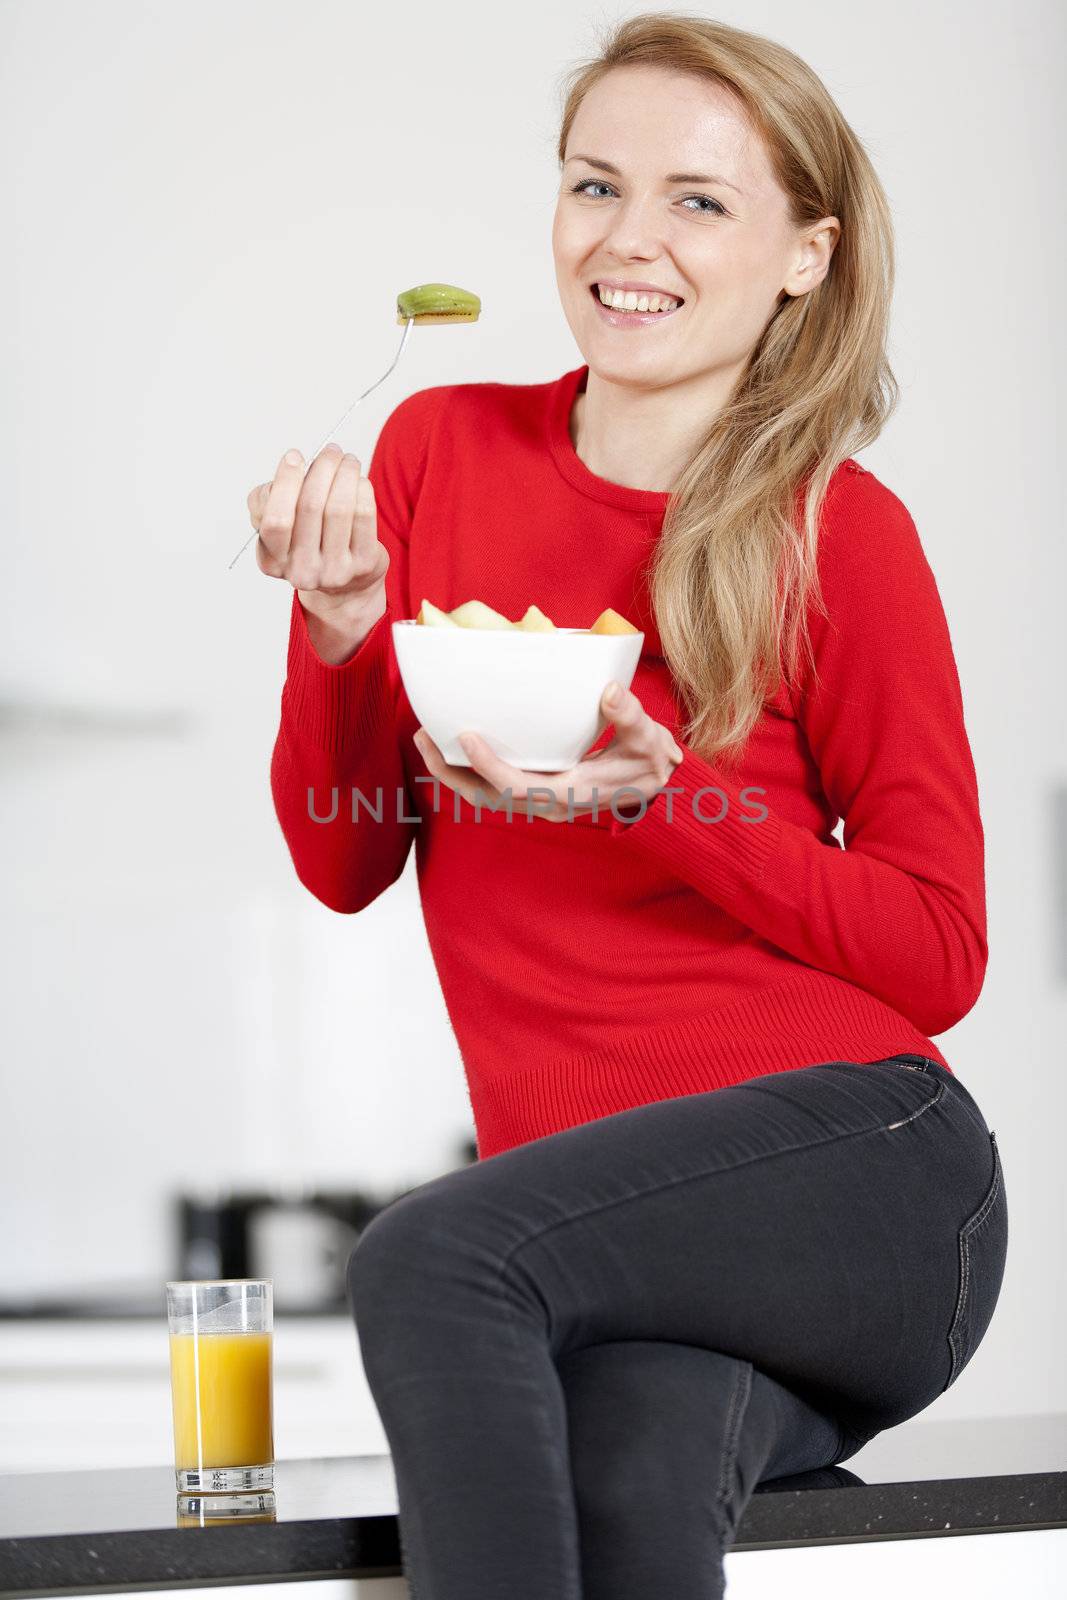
384,1266
425,1244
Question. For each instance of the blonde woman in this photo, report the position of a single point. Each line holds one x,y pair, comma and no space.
734,1212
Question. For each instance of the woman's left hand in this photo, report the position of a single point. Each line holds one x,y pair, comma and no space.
639,760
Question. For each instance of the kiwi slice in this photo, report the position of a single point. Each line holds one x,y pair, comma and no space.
429,303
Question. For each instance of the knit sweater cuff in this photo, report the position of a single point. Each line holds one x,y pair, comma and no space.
336,707
714,834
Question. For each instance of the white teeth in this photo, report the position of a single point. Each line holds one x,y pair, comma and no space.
628,300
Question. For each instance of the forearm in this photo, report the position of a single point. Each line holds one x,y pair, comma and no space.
336,743
910,930
346,850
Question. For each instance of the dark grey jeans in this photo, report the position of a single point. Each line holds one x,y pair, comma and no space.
588,1350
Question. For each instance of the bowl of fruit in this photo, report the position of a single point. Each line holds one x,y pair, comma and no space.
530,689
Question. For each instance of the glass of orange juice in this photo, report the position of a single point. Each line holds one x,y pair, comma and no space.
221,1382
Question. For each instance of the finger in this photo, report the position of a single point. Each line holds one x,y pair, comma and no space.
503,776
306,549
458,778
256,501
337,520
368,557
487,763
268,563
627,712
472,783
276,523
365,524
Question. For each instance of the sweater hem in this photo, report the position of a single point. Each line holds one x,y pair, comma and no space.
796,1024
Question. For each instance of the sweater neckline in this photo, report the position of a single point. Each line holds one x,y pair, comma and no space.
573,468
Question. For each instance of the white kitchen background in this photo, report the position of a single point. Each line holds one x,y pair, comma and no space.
209,210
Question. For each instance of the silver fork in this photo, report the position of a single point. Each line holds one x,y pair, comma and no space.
336,427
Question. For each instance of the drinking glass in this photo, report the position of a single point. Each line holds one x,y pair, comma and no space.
221,1380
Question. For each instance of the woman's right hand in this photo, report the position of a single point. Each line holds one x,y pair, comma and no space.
320,533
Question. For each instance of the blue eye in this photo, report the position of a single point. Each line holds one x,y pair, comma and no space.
719,211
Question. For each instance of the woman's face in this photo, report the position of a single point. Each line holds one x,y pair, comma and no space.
724,245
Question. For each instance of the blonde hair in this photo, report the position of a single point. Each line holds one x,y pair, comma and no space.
731,576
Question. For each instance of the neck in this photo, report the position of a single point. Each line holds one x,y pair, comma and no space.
644,438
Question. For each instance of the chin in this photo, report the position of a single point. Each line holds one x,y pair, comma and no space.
629,374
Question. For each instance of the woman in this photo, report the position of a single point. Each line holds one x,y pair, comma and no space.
734,1212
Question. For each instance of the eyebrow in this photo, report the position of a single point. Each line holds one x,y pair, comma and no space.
672,177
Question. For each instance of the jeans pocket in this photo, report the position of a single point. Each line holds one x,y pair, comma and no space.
923,1082
983,1250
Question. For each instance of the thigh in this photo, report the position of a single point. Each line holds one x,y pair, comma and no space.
665,1430
667,1443
806,1221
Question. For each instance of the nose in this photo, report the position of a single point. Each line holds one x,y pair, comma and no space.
634,231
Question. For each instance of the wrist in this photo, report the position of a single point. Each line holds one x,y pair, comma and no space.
339,609
338,625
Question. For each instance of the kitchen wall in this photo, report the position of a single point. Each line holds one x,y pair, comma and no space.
209,211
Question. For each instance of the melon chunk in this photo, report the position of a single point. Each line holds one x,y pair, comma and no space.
609,621
535,621
476,614
431,617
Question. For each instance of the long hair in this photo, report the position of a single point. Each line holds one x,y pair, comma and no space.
734,570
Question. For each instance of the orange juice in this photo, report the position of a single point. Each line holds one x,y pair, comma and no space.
231,1373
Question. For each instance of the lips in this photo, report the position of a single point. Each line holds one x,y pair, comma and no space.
630,319
594,290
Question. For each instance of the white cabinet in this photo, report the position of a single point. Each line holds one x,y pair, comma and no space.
83,1394
982,1566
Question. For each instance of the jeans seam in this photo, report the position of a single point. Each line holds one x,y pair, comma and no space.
933,1102
963,1245
983,1210
739,1399
710,1172
964,1241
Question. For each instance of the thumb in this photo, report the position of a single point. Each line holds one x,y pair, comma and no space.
617,702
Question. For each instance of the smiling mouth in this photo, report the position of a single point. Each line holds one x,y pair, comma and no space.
594,290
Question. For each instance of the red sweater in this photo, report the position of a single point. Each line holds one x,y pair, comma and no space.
591,966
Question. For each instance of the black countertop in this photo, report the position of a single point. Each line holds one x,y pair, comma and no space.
335,1517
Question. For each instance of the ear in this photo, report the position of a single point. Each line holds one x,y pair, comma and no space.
816,246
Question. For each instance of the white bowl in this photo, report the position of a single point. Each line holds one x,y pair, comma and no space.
533,697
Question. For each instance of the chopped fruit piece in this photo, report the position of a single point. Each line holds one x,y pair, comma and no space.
609,621
475,614
535,621
431,617
437,302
